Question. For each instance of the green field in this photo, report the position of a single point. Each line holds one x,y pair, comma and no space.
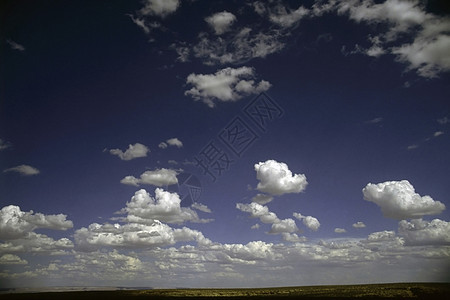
392,291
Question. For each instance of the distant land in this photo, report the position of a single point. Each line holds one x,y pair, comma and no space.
361,291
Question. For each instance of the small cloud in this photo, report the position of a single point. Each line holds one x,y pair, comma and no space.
171,142
256,226
226,85
340,230
201,207
158,177
275,178
309,221
443,120
4,145
438,133
359,225
374,121
412,147
221,22
15,46
159,8
262,199
134,151
25,170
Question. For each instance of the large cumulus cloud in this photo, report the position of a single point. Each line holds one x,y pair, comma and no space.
398,200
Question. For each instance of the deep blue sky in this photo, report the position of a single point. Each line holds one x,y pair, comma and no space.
94,94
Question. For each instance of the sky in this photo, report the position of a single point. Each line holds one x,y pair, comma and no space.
224,143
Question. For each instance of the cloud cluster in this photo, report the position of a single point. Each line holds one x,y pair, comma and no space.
164,207
398,200
421,232
134,151
24,170
275,178
15,223
17,231
158,177
133,235
427,51
225,85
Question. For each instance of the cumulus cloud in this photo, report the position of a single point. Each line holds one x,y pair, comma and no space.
133,235
359,225
158,177
275,178
165,207
221,22
11,259
309,221
174,142
134,151
4,145
25,170
15,46
160,8
283,226
15,223
340,230
258,211
262,199
398,200
225,85
421,232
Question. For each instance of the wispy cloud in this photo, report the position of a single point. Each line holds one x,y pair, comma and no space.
15,46
4,145
25,170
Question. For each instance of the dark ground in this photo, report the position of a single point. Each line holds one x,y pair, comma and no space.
372,291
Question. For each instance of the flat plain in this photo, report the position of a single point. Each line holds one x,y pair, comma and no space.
372,291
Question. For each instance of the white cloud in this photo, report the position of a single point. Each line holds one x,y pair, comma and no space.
160,8
4,145
158,177
11,259
133,235
340,230
293,237
398,200
225,85
15,46
201,207
221,22
258,211
359,225
134,151
284,17
421,232
275,178
438,133
175,142
256,226
165,207
381,236
25,170
238,47
284,226
427,51
309,221
15,223
262,199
